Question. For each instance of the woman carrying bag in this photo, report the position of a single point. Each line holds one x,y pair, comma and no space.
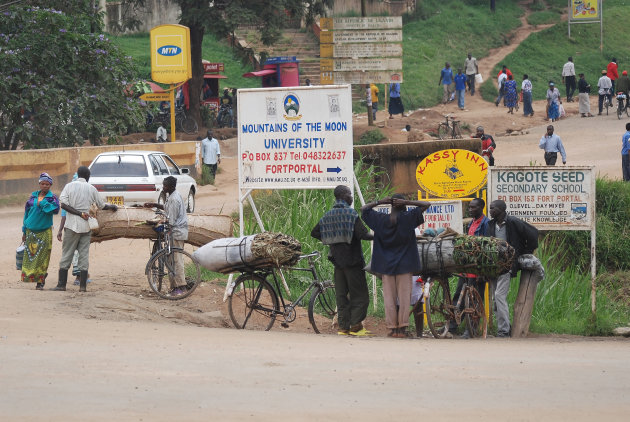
37,232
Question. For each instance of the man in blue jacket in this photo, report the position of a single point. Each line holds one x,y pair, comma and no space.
523,237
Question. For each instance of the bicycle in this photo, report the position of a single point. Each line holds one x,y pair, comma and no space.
607,101
162,265
448,130
440,310
622,105
253,300
224,117
182,121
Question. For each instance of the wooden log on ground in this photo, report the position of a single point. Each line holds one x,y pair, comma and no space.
128,222
524,304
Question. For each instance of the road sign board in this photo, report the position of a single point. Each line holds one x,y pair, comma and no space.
379,35
360,50
550,198
295,138
452,173
156,96
377,77
373,22
351,65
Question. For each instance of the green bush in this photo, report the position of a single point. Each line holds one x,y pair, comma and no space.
371,137
206,178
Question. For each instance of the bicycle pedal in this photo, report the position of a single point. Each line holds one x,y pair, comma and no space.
284,325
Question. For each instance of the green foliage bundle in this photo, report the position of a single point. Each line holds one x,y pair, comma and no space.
62,82
370,137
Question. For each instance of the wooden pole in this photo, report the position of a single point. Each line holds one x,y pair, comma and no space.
524,303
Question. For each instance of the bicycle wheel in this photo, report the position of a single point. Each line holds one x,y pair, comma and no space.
189,125
162,269
324,303
619,110
607,104
438,308
443,131
253,304
476,321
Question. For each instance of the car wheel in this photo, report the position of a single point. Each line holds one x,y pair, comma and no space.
190,202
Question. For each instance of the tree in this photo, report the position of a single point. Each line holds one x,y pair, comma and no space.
222,17
62,81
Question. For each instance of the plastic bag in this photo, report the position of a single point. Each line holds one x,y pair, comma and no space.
478,78
19,256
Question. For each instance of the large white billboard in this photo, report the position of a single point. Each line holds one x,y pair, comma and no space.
295,137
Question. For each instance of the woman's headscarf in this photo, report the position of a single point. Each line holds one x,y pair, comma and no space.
45,177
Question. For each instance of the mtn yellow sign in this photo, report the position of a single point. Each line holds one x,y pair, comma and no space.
452,173
170,54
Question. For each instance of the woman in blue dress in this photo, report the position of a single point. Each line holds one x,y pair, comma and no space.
511,96
553,103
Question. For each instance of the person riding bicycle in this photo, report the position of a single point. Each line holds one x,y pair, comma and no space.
487,145
226,107
342,229
623,85
605,85
176,211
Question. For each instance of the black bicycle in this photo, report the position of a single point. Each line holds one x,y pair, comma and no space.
256,299
167,261
449,130
182,121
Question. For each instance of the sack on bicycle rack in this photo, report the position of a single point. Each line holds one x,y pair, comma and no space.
255,251
483,256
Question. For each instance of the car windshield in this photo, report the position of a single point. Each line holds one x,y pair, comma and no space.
119,166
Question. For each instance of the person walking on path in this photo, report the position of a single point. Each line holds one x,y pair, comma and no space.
611,72
395,102
342,230
487,145
395,256
374,94
504,69
446,79
511,95
477,227
523,237
501,80
175,210
552,144
37,232
605,87
623,85
211,153
76,198
471,68
584,104
568,78
460,88
553,102
625,154
526,90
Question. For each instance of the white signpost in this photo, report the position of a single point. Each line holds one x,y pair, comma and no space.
549,198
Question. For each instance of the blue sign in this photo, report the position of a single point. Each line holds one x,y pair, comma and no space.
169,50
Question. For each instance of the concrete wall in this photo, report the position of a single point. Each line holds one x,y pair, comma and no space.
155,12
401,160
20,170
374,7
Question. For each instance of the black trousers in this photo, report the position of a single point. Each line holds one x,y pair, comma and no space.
352,297
569,83
551,158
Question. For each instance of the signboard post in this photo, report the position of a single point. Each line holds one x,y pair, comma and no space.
587,11
549,198
170,59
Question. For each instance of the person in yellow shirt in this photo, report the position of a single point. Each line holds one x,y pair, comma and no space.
374,92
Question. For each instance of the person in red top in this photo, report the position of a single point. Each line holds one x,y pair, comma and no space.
611,72
507,71
477,227
487,145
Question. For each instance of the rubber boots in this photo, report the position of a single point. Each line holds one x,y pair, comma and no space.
83,276
63,279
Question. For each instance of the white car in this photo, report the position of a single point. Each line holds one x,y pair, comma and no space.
135,177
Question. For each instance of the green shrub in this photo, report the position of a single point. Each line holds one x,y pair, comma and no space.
206,178
371,137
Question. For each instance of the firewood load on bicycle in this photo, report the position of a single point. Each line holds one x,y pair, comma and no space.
130,222
255,251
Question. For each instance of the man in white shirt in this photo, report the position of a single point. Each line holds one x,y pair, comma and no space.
500,82
471,68
161,135
76,199
604,86
211,153
568,78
